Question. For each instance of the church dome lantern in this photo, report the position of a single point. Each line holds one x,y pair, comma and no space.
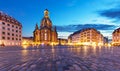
46,13
46,22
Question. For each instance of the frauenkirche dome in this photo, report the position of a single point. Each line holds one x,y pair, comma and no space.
46,22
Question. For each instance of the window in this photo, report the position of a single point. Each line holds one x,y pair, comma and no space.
3,37
3,33
12,21
3,18
12,30
8,38
8,33
8,29
12,38
8,20
88,40
88,37
8,24
45,36
16,38
16,31
3,28
12,25
16,27
12,34
45,31
19,39
16,35
3,23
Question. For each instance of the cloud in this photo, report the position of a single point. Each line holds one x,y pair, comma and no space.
105,29
73,28
113,13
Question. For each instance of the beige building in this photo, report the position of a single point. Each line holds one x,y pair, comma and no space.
46,34
88,36
116,37
10,30
27,41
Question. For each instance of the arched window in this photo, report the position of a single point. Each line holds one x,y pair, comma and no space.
45,36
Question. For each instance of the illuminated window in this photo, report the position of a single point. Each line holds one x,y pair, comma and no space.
45,31
45,36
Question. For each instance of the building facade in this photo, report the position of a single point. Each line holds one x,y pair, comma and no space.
10,30
46,34
88,36
116,37
27,41
62,41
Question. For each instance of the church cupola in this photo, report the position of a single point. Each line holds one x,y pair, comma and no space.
46,22
46,13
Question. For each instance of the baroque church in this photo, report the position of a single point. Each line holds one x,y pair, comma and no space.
46,34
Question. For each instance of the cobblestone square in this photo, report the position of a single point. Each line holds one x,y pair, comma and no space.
60,58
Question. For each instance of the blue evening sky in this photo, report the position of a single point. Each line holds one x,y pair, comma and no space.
68,15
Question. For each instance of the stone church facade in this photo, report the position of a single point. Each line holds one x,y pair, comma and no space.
46,34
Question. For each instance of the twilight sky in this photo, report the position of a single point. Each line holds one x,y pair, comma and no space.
68,15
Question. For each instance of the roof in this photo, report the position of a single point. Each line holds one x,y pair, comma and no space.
9,19
116,30
82,30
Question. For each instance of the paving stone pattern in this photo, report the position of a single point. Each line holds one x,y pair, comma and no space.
60,58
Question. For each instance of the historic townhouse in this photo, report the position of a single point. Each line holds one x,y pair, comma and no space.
10,30
88,36
116,37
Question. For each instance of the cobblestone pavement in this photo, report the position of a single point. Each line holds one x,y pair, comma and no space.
60,58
